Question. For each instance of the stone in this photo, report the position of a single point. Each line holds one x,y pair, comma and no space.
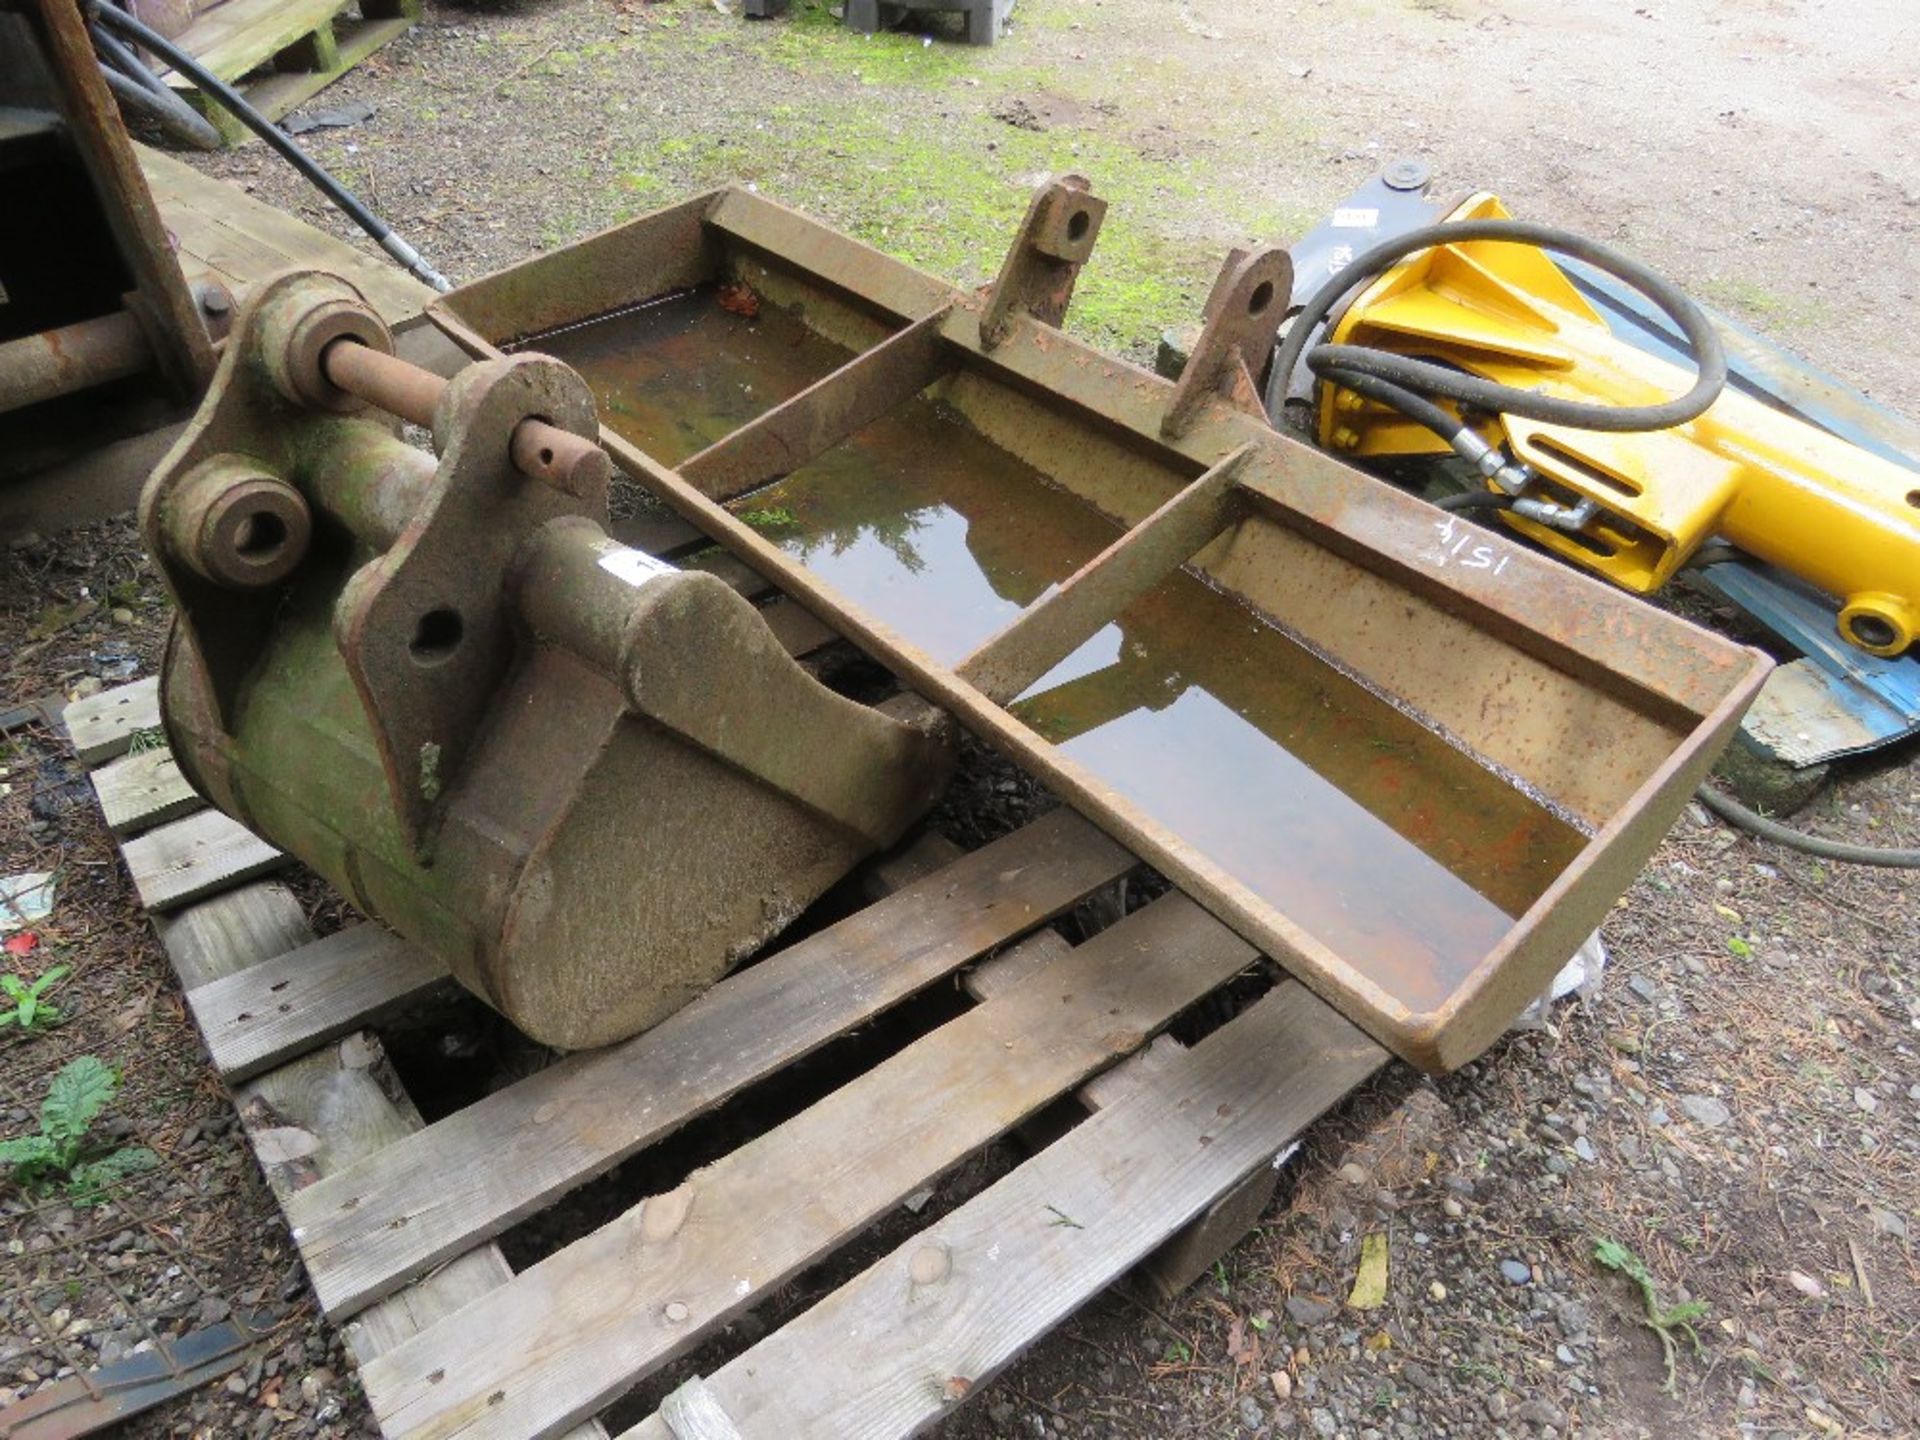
1763,783
1542,1413
1176,344
1252,1417
1324,1425
1516,1272
1496,1407
1705,1110
1309,1309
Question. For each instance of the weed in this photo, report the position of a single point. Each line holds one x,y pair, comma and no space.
154,737
31,1010
61,1151
1663,1320
1480,1370
775,521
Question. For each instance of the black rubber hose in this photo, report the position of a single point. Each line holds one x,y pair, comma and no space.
1448,426
1753,822
125,75
177,119
212,86
1409,403
1475,500
1429,379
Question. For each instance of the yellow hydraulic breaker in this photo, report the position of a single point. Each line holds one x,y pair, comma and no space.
1634,506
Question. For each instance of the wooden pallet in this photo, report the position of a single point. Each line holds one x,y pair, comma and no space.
222,231
396,1219
280,53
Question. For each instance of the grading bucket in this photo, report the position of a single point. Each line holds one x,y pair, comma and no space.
1411,759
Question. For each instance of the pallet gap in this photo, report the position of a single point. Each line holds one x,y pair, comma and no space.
729,1127
951,1189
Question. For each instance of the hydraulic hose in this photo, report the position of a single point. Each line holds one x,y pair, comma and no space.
1475,500
134,84
211,85
1448,426
1429,379
1409,403
1754,823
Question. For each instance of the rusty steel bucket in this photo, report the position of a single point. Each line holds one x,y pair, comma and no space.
589,781
1412,760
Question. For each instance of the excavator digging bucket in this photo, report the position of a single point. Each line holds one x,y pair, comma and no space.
1410,759
588,780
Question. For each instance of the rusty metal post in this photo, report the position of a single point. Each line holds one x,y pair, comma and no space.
570,463
38,368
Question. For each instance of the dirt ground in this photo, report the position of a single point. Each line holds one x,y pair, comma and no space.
1738,1105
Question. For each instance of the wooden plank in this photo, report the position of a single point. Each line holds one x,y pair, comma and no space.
335,1097
222,228
1226,1221
184,860
371,1228
797,629
1053,627
275,95
143,789
724,565
1007,969
716,1245
103,726
658,532
800,430
237,35
298,1001
911,860
895,1349
1130,1074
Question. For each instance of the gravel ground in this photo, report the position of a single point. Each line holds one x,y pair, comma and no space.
1737,1104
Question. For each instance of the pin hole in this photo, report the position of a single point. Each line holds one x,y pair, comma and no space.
260,535
436,635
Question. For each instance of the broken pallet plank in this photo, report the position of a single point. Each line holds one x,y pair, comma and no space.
143,788
373,1227
103,726
715,1245
271,1012
186,860
334,1097
892,1351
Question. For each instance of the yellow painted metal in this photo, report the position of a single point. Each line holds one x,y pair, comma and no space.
1780,489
